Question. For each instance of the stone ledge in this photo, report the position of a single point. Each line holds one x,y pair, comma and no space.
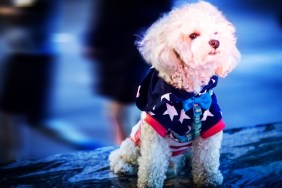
250,157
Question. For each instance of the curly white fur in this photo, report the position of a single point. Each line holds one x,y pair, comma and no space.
205,161
154,158
124,160
187,63
180,46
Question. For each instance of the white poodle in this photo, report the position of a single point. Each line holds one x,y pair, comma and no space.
187,48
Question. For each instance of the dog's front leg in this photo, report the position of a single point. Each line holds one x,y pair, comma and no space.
154,159
205,161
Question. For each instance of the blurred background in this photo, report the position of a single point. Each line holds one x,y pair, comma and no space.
72,115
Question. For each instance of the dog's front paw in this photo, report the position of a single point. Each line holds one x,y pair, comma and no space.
214,180
119,166
210,180
124,168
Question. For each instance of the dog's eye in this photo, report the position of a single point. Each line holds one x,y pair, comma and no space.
194,35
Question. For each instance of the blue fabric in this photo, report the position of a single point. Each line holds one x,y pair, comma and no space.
165,104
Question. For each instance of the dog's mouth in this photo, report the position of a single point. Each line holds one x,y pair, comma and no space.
213,52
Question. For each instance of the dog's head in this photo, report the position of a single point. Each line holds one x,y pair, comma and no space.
190,44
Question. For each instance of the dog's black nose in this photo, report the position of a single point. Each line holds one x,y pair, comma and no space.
214,43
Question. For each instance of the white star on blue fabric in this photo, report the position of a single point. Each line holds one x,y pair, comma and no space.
138,92
165,96
151,113
183,116
171,111
203,92
206,114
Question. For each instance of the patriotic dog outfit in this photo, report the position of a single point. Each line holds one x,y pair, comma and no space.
175,114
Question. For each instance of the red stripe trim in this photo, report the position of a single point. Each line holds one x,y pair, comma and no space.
219,126
178,152
156,125
136,138
177,147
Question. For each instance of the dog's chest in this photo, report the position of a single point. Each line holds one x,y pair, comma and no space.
172,118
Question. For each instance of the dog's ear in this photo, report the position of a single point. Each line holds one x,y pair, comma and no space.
230,62
155,49
146,47
161,57
231,53
169,60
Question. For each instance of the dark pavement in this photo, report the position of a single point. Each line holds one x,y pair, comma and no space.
250,157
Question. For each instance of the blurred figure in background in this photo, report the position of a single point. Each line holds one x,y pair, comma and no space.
280,19
26,28
118,66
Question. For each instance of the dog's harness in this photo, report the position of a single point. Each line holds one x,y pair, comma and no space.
178,114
